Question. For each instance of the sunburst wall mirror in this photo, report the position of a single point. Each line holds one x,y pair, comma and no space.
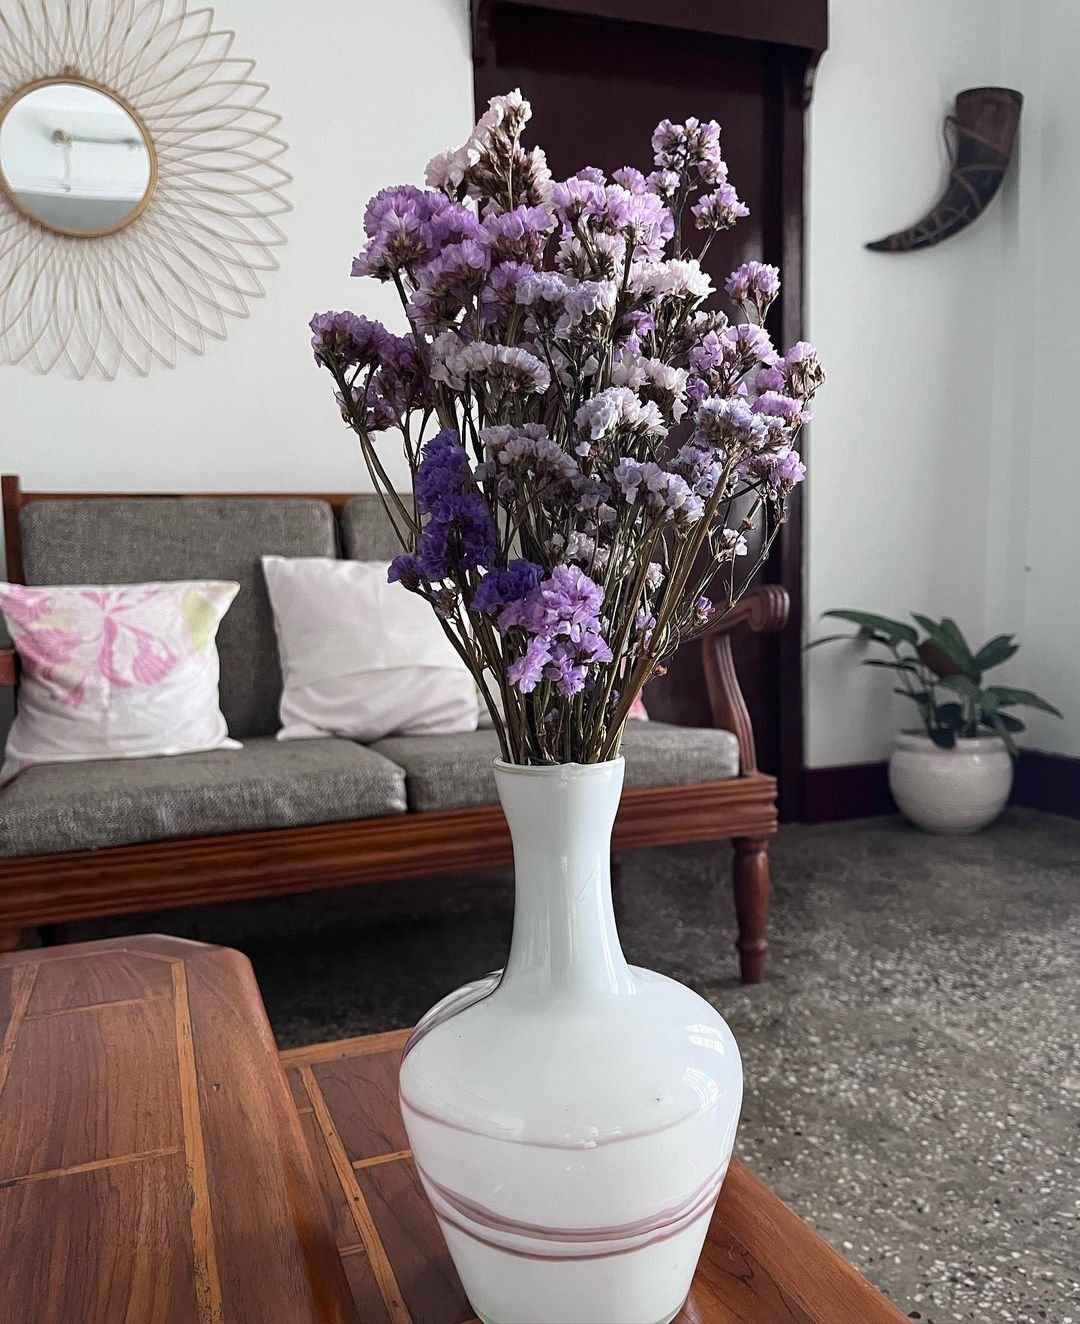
140,183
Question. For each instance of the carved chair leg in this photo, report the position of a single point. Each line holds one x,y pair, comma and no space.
9,939
751,876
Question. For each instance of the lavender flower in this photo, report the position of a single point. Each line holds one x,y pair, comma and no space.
345,340
498,588
519,234
719,210
756,284
459,534
729,426
619,411
560,618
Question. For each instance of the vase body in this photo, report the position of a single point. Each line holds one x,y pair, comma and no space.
572,1117
950,791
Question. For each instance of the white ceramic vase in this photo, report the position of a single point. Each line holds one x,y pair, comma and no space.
572,1117
950,791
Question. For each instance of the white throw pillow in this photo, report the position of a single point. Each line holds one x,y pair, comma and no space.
120,671
360,657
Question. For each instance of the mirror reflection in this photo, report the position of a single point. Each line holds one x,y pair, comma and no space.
74,159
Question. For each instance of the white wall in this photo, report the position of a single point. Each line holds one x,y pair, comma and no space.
367,93
903,472
1044,334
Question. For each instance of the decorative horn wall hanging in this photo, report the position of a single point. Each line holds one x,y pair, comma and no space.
980,148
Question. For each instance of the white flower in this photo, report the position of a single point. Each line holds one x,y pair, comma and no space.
504,367
643,374
675,278
590,298
447,170
619,407
732,544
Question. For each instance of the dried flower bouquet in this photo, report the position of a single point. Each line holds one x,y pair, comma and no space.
589,444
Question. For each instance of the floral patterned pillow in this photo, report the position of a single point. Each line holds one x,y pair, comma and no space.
126,671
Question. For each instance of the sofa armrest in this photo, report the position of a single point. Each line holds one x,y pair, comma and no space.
764,610
9,666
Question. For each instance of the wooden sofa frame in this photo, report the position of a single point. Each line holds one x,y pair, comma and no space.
53,889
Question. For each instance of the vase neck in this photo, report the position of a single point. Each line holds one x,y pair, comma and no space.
565,941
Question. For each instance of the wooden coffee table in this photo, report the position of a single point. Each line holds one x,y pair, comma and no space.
156,1167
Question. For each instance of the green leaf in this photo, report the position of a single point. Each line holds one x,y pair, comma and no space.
962,685
831,639
1006,720
871,625
1003,731
950,716
946,634
892,666
1004,696
998,650
941,737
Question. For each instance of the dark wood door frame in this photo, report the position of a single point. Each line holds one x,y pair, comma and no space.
790,36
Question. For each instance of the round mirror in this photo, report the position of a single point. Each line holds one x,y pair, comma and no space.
75,158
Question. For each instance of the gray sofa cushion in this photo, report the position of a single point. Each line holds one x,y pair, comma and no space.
126,540
366,531
454,771
267,784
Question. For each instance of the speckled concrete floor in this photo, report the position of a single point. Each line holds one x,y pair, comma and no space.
912,1062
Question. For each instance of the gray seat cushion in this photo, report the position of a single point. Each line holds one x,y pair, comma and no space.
267,784
454,771
128,540
366,531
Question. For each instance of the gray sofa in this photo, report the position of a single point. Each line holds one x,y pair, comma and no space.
55,815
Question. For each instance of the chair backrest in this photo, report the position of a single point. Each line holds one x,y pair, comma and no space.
129,539
366,531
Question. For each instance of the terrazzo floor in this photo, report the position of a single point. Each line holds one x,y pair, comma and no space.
912,1062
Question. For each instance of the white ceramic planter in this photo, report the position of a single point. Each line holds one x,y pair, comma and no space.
950,790
572,1117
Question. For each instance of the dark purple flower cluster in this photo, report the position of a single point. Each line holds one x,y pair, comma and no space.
346,340
458,534
560,618
407,227
499,588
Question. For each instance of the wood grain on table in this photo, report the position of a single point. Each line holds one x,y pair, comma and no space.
152,1167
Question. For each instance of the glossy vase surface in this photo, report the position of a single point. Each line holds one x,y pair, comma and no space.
572,1117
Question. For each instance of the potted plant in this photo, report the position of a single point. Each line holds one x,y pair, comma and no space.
598,462
955,777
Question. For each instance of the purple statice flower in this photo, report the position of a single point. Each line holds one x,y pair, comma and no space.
664,183
802,370
499,296
677,278
719,210
660,490
560,617
602,258
527,460
502,369
769,379
619,410
588,305
399,223
593,174
403,571
498,588
631,179
578,197
654,379
729,426
783,407
755,283
519,234
704,610
641,218
542,287
779,470
692,146
459,534
700,468
347,340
